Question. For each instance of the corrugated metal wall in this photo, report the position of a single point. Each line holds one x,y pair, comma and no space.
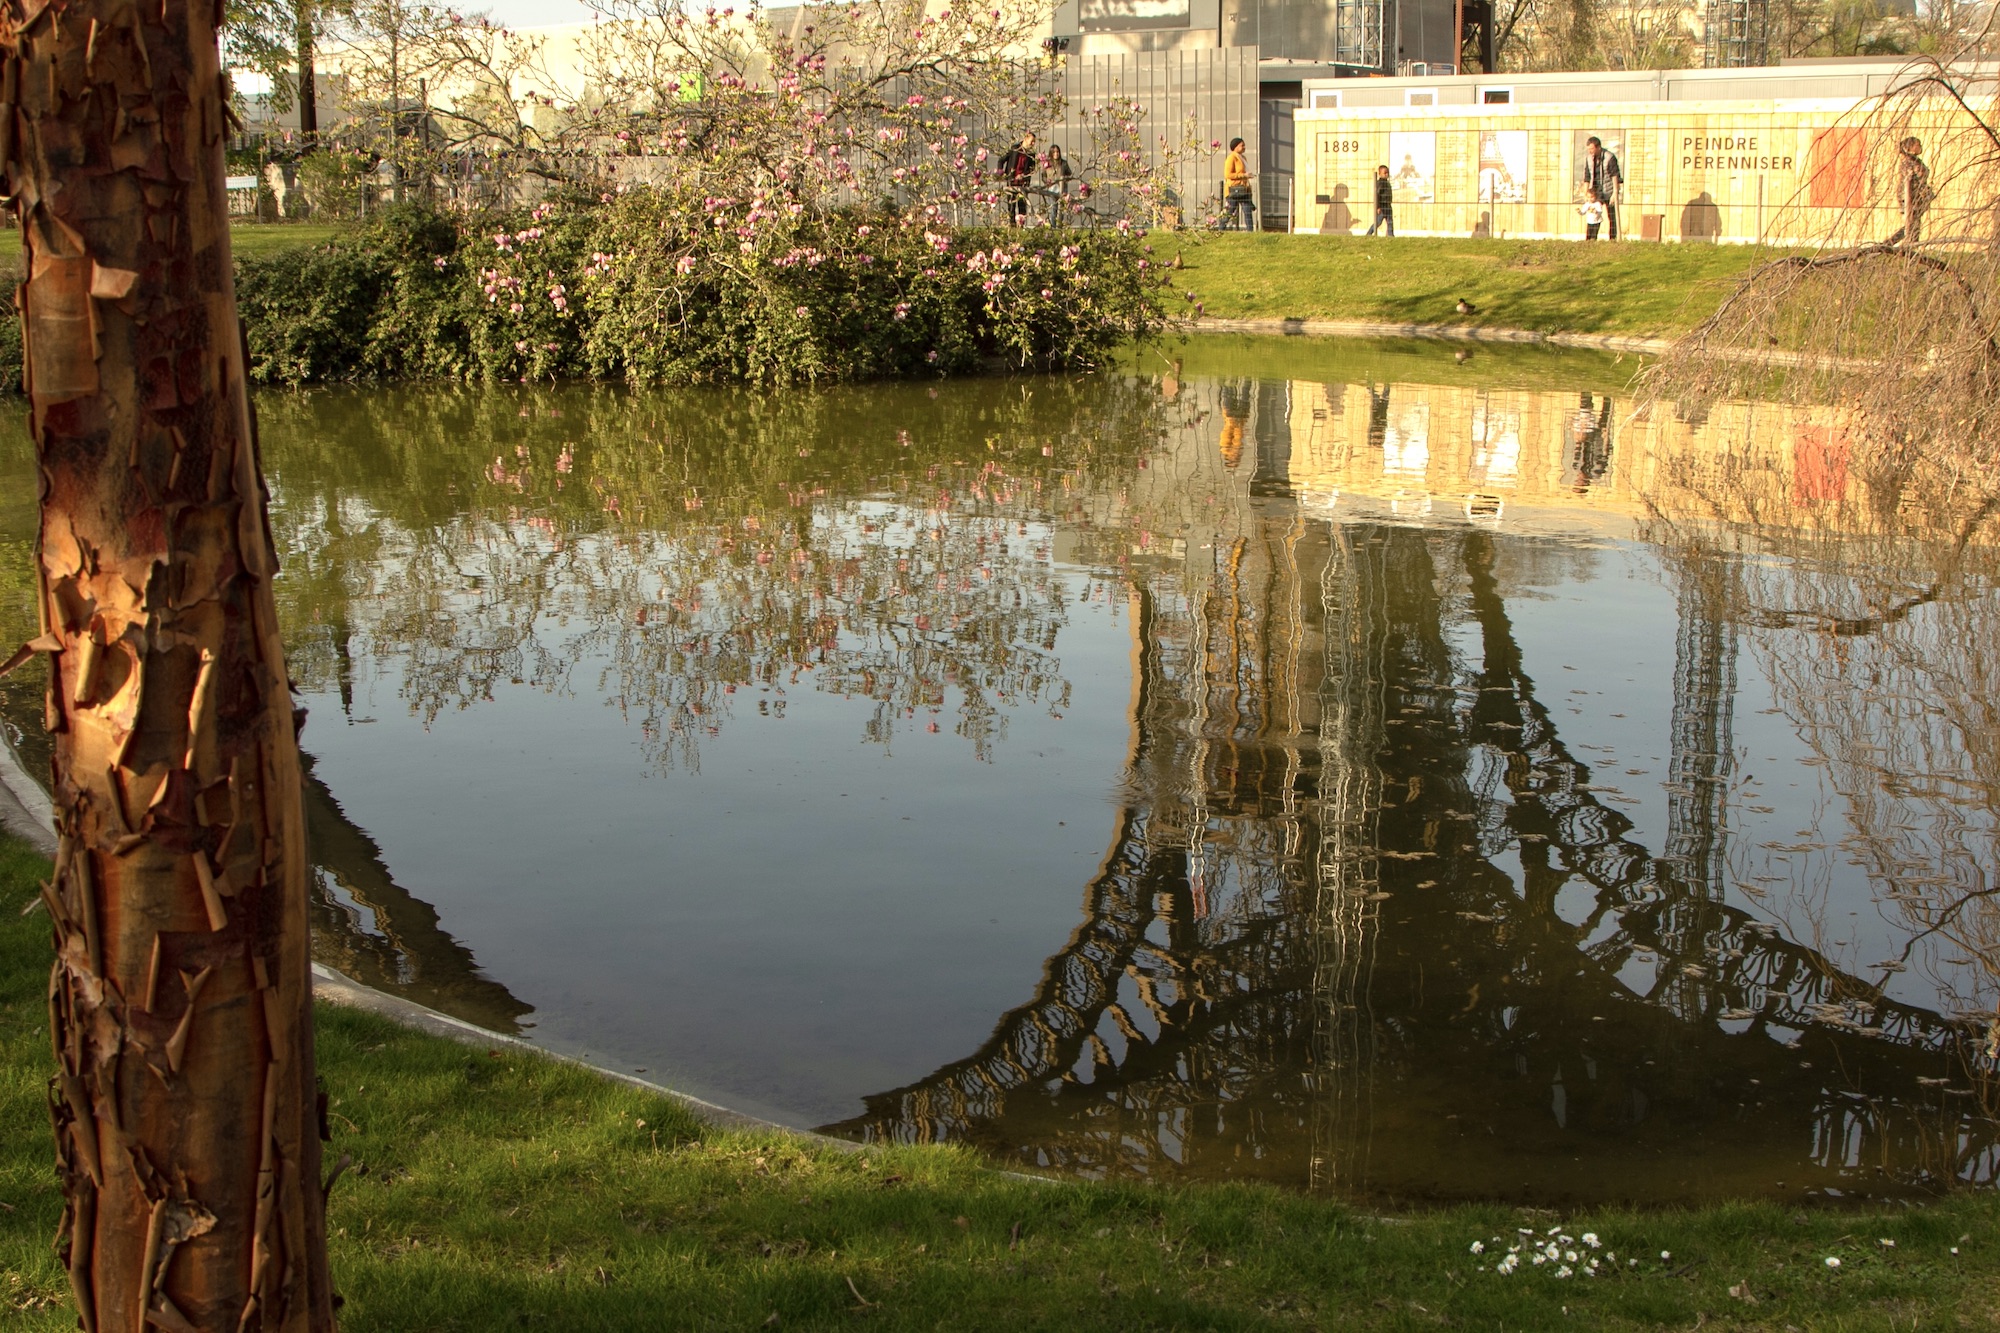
1201,95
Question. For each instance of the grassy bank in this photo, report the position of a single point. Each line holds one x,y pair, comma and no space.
503,1191
258,238
1546,286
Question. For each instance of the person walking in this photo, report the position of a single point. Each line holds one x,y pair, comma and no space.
1385,201
1592,212
1017,178
1236,199
1602,173
1055,182
1913,191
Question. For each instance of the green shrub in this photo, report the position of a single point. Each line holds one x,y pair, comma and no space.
336,181
421,324
308,312
653,286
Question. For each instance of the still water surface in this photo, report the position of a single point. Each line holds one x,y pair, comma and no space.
1338,765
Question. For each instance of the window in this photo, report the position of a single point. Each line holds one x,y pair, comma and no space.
1132,15
1496,96
1326,97
1420,97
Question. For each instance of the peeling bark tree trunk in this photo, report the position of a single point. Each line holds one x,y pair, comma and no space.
185,1112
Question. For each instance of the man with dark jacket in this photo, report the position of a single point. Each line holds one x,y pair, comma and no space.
1017,178
1602,173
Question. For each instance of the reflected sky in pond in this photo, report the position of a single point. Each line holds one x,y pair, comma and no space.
1336,764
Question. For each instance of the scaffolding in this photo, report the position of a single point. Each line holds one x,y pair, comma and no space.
1737,34
1360,29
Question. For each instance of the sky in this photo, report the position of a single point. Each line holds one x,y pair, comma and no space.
532,13
509,13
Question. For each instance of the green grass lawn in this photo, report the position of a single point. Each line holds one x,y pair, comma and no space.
496,1190
1632,288
1542,286
250,238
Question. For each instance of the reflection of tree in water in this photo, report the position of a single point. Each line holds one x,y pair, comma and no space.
898,600
1367,920
467,541
485,540
1873,606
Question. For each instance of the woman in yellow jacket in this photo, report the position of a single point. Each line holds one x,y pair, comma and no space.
1236,200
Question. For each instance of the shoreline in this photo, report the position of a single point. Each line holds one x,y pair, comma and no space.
1469,333
337,988
27,813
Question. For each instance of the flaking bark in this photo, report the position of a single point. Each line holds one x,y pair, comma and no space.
186,1122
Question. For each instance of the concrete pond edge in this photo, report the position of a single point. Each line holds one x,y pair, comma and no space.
336,988
1623,344
1468,333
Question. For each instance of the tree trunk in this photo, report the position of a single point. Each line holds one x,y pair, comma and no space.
186,1123
308,87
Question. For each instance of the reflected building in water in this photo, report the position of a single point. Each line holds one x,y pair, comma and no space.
1367,919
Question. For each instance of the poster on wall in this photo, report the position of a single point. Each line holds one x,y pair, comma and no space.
1344,199
1503,166
1614,140
1838,168
1413,165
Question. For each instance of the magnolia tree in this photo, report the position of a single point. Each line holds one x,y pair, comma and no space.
738,197
885,103
881,101
461,106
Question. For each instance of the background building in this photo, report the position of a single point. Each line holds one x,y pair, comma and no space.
1778,154
1240,66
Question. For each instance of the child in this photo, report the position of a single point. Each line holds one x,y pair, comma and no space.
1592,210
1385,201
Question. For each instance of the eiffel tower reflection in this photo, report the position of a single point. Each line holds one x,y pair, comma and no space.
1323,947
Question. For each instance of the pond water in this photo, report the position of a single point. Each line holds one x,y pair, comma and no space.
1344,765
